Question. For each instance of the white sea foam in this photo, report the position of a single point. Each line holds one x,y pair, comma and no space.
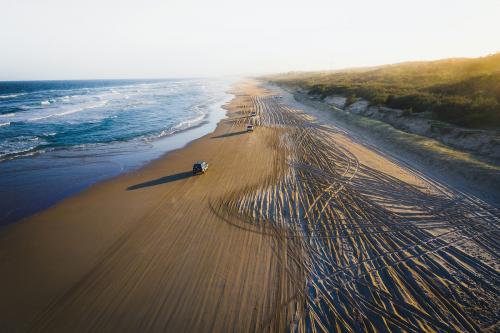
4,124
7,115
45,103
180,126
189,123
19,146
71,111
12,95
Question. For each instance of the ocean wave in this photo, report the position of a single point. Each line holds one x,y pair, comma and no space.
181,126
7,157
7,115
20,146
190,122
11,95
65,113
26,153
5,124
44,103
92,106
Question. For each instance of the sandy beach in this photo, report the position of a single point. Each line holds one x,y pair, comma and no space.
296,226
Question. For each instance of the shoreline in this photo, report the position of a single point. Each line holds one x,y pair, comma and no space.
68,172
250,245
78,240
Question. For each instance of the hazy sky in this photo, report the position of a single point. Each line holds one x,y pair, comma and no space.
66,39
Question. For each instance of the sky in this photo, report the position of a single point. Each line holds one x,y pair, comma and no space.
98,39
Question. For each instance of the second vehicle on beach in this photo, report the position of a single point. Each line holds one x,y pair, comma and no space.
249,128
200,167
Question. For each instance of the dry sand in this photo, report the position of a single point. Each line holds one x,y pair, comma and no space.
294,227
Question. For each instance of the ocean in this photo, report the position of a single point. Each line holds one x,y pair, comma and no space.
59,137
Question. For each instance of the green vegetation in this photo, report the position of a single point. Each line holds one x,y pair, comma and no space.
465,92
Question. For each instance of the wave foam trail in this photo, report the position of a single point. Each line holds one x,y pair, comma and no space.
11,95
76,110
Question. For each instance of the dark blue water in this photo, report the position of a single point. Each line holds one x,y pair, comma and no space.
58,137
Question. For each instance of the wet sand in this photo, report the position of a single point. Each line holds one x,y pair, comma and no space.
295,226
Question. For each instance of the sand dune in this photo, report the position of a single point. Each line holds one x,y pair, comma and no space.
295,227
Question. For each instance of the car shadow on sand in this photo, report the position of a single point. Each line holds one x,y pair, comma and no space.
228,134
162,180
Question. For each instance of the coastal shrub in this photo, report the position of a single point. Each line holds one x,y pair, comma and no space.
408,112
464,92
350,99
